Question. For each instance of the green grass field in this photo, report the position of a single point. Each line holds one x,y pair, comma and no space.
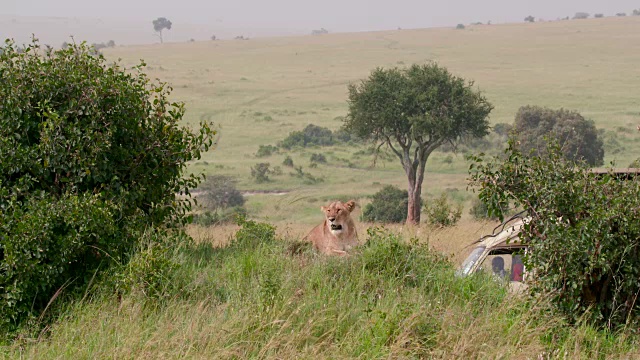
268,297
260,90
253,295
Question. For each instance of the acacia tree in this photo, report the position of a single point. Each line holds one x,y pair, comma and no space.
414,111
160,24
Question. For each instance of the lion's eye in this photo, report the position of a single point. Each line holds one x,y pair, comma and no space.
339,210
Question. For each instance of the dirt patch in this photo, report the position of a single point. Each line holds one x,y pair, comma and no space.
264,192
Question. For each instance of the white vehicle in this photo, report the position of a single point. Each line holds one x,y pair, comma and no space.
499,254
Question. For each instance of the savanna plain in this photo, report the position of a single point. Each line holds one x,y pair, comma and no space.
255,291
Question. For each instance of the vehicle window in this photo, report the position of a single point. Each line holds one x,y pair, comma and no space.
468,263
505,264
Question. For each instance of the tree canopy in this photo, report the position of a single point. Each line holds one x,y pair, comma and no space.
577,136
92,155
413,111
160,24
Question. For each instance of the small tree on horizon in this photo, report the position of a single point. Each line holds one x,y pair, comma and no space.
414,111
581,15
160,24
529,19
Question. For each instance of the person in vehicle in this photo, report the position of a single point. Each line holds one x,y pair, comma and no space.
497,265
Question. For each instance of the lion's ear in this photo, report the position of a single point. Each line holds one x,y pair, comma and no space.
351,204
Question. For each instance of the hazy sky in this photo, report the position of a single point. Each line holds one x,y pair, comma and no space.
303,15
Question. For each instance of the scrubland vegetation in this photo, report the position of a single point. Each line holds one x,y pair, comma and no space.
263,296
254,289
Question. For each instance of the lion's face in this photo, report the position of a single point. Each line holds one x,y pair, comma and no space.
337,215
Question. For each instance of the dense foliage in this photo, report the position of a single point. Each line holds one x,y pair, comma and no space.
414,111
584,231
577,136
441,213
311,135
389,205
220,192
91,154
221,201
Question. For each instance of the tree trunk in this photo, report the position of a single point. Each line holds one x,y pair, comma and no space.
413,210
415,176
414,190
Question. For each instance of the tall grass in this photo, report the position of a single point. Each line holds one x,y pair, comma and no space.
261,296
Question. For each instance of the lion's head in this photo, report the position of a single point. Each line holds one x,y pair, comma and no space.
338,215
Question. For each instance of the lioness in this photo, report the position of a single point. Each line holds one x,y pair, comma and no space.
337,234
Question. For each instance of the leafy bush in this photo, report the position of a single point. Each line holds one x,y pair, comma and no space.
579,138
460,26
266,150
288,161
219,192
599,16
253,234
150,269
389,205
583,233
311,135
92,154
440,212
388,256
502,129
318,158
260,172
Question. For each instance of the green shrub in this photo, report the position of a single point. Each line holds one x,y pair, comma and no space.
311,135
389,205
150,269
219,192
253,234
266,150
579,137
318,158
584,232
92,154
502,129
260,172
440,212
388,256
288,161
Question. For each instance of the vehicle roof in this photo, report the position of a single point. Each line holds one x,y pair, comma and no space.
506,237
618,173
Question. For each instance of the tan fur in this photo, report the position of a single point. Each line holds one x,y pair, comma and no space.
335,242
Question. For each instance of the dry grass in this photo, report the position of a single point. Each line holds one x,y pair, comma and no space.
453,241
261,302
